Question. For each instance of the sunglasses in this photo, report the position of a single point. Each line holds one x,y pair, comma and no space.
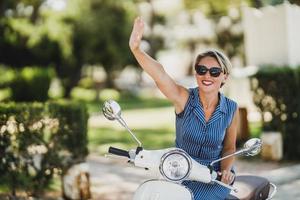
213,71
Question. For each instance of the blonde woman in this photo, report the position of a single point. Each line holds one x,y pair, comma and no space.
206,120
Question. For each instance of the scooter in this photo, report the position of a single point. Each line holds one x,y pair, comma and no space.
172,166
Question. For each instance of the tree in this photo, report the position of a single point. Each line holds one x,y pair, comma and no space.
32,35
87,32
101,35
22,40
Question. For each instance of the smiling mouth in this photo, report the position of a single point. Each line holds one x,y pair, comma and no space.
207,83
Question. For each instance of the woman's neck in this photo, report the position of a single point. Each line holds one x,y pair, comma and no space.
209,100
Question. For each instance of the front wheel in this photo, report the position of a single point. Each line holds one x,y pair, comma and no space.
162,190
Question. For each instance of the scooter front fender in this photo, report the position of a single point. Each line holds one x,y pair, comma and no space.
162,190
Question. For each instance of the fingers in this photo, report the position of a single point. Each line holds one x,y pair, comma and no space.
227,177
138,28
137,33
138,23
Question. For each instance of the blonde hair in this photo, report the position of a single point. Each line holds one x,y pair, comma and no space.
222,59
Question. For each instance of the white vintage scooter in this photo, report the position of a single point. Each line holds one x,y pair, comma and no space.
173,165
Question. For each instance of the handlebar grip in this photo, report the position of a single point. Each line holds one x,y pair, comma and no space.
119,152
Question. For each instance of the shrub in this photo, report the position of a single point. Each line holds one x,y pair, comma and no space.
87,83
7,76
37,141
83,94
106,94
31,84
277,93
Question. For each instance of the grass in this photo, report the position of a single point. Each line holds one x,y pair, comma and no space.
128,102
101,138
4,188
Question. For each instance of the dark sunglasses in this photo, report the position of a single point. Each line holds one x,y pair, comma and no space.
213,71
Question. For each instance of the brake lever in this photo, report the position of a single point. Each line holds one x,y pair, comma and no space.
226,185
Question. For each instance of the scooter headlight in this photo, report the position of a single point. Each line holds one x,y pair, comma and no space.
175,165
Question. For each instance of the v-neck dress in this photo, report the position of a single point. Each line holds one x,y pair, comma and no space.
202,140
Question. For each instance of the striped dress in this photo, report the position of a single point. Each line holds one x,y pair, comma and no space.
202,140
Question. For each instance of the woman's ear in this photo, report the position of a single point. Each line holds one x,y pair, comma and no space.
224,80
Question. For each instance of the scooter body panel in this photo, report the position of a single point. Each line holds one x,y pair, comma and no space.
162,190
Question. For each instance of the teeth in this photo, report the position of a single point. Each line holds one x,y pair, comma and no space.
207,82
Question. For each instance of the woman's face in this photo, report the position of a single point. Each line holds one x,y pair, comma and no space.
206,82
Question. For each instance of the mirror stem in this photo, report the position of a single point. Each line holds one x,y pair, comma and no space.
123,123
240,152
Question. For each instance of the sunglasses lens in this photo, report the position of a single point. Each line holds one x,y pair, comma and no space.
201,70
215,71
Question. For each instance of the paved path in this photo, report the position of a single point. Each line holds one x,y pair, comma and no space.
117,180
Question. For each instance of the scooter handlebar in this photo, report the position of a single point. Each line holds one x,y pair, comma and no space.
119,152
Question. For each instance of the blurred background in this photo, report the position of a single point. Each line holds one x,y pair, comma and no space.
61,59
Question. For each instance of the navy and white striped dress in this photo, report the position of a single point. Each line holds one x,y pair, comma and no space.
202,140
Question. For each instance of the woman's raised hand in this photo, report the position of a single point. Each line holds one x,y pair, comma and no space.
136,34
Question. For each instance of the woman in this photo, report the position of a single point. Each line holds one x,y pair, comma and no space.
206,121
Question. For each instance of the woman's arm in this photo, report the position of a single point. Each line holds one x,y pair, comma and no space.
177,94
229,148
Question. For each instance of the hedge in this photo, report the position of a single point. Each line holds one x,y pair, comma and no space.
39,141
27,84
277,92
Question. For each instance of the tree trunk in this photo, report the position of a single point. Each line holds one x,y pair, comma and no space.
257,3
109,82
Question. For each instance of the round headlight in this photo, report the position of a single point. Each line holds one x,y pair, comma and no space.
175,165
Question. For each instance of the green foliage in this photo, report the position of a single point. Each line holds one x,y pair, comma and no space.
31,84
107,94
7,76
276,2
37,141
277,93
86,82
73,127
26,84
5,94
214,8
101,34
83,94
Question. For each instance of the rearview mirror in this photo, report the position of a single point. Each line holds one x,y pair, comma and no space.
111,110
253,146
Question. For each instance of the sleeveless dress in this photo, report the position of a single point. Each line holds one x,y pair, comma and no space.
203,141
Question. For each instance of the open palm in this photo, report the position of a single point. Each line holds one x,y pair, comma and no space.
136,34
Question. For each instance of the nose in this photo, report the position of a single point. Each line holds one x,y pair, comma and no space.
207,75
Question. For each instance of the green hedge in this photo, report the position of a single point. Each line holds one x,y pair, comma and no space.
39,141
27,84
277,92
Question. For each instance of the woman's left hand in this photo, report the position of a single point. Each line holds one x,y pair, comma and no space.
227,177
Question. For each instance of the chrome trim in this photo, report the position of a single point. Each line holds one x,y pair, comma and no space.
176,151
273,192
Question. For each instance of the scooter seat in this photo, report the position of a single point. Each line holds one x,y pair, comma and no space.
250,188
